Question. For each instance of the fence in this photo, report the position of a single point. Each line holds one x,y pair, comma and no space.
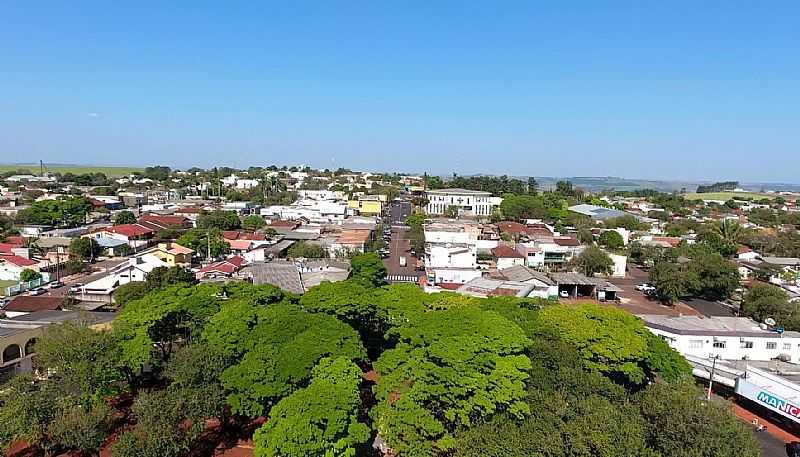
23,286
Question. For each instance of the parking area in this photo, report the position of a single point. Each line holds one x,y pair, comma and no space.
636,302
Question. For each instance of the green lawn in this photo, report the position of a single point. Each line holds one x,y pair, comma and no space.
727,196
5,283
108,171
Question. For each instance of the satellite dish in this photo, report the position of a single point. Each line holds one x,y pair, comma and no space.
769,321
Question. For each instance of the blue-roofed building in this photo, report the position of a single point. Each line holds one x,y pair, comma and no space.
599,213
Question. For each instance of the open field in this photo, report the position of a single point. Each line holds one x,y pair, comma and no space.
727,195
75,169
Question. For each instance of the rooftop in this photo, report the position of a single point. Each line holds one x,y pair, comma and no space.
711,326
457,191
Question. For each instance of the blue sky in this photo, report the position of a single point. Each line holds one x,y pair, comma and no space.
673,90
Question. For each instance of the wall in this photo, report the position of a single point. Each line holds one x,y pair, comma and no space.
703,346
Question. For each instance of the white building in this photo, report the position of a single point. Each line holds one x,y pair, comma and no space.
730,338
620,265
470,203
451,252
135,269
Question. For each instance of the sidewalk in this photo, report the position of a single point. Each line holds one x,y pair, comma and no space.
773,429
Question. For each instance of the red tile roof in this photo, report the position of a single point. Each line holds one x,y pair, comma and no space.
566,241
673,241
284,224
17,260
227,266
242,235
164,221
130,230
30,304
511,227
5,248
16,239
240,245
504,251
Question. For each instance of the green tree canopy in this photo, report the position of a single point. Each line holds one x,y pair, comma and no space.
764,301
610,341
476,356
84,248
368,269
281,351
594,260
681,425
221,220
201,241
253,222
28,275
124,217
307,250
611,240
320,420
68,211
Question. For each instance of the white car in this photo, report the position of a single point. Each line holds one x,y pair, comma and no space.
644,287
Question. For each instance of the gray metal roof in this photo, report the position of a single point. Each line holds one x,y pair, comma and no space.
711,326
279,273
521,273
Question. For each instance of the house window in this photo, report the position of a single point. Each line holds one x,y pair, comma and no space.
787,346
719,344
747,345
695,344
772,345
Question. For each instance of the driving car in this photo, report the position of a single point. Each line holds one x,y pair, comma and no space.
55,285
36,291
75,288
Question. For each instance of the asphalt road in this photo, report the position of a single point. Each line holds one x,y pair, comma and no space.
770,446
709,308
399,246
99,269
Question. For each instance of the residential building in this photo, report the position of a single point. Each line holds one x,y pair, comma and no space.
544,286
468,203
12,266
174,255
367,205
220,270
506,257
134,269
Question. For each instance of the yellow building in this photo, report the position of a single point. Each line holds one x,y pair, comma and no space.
368,205
174,254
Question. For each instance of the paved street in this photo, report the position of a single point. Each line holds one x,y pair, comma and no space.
98,270
400,246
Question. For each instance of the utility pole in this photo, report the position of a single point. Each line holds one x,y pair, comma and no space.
711,378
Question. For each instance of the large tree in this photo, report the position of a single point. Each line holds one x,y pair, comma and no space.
764,301
368,269
281,351
222,220
447,371
321,420
594,260
124,217
610,341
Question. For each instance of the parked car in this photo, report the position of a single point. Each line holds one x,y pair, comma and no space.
55,285
644,287
75,288
36,291
564,294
